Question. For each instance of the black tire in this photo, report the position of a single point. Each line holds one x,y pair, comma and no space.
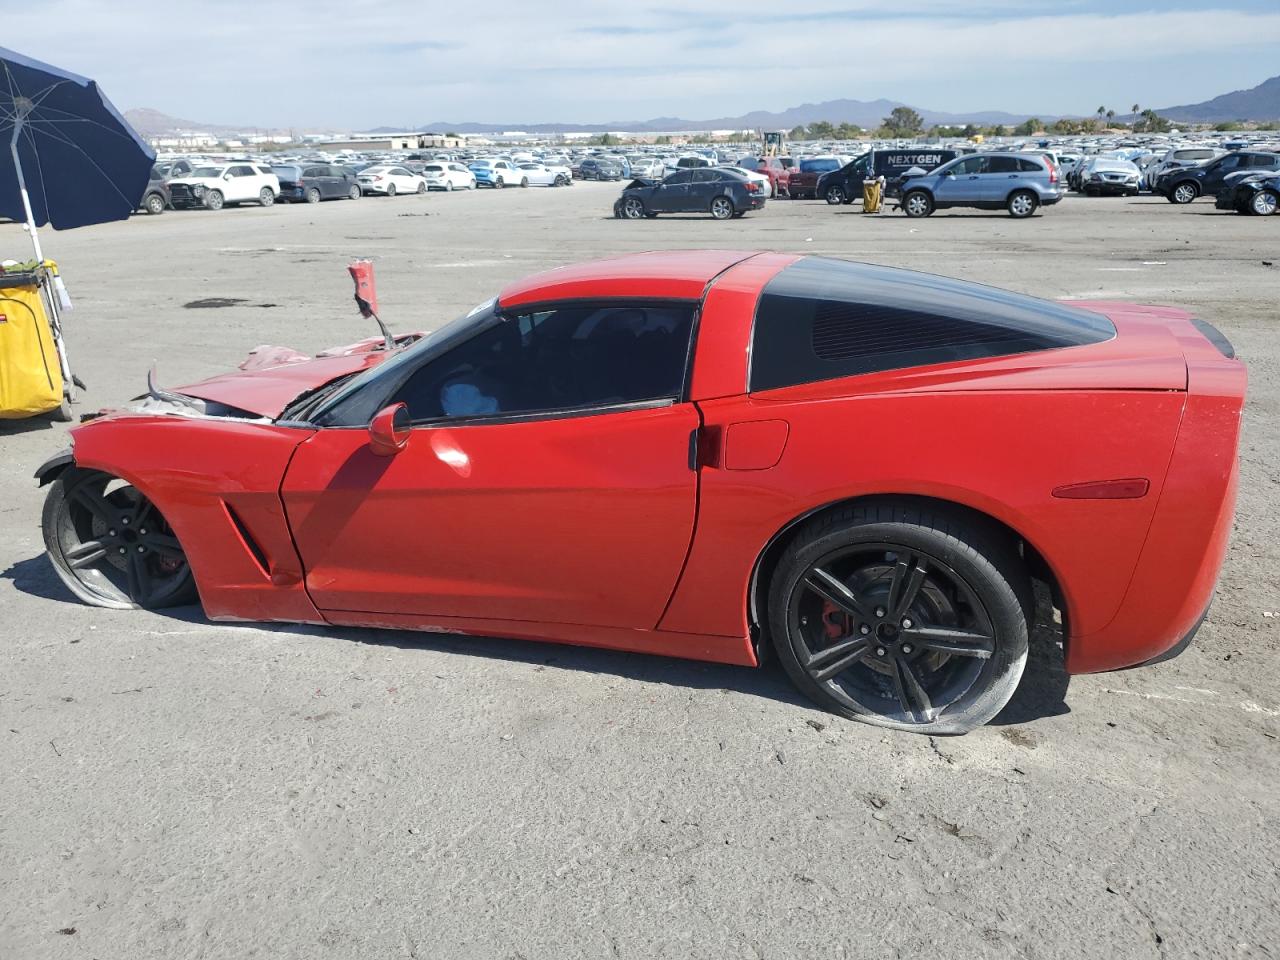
313,195
499,183
721,208
154,203
62,413
266,197
391,189
448,186
835,195
110,546
1184,192
524,181
422,188
633,208
355,193
213,200
941,605
1022,204
1264,203
917,203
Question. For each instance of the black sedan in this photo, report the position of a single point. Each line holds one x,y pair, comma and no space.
714,190
600,168
1257,194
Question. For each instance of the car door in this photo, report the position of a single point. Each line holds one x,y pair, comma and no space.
1216,174
668,196
999,177
241,184
960,183
547,477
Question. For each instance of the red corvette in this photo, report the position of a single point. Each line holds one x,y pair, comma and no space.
704,454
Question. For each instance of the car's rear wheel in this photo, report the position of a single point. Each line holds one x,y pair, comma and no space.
499,183
835,196
1022,204
110,545
917,203
155,204
721,208
1264,203
448,186
267,197
524,181
213,200
902,617
313,195
633,208
1184,193
422,187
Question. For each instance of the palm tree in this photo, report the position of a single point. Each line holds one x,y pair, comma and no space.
1111,115
1102,112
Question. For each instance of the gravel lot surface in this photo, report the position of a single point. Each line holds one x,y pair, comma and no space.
170,788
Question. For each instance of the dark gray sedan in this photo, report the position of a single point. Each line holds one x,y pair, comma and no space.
714,190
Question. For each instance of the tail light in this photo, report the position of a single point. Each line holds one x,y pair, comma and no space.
1053,173
753,187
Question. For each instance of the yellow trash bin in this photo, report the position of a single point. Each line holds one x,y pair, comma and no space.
871,196
30,372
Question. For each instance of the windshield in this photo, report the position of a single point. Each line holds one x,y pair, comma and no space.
206,172
353,402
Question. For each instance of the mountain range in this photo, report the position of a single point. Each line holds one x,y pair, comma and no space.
1258,103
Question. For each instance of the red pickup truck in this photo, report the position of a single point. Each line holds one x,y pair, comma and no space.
775,168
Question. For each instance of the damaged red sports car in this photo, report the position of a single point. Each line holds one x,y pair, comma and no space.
701,454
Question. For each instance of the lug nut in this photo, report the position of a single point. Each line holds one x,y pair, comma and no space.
906,621
879,651
142,532
880,611
141,548
125,521
111,533
907,648
864,629
122,550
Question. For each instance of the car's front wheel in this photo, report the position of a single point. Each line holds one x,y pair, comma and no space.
721,208
1264,203
835,196
155,204
902,617
633,208
214,200
1022,204
355,193
917,203
111,546
1184,193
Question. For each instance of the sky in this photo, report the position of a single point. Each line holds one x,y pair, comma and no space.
358,64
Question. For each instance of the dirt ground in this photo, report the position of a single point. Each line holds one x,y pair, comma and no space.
170,788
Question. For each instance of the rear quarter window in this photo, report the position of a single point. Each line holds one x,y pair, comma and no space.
821,319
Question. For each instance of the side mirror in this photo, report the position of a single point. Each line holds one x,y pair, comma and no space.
389,430
226,176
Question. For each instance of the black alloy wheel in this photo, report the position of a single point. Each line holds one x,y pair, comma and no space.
901,618
111,546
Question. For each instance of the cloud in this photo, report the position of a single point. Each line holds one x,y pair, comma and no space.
394,64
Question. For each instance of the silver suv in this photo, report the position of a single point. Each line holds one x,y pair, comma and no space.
1017,182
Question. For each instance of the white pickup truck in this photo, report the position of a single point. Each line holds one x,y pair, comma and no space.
215,185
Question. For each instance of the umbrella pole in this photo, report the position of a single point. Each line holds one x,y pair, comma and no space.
22,183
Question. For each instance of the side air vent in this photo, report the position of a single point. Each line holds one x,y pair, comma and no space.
246,537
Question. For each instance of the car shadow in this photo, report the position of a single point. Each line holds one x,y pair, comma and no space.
36,577
1041,693
41,421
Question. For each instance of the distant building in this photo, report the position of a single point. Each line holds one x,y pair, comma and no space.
387,141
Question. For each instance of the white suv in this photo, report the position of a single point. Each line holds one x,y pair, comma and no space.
214,186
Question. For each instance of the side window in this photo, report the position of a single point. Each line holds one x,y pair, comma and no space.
823,319
678,178
1003,165
241,171
1029,166
708,175
558,359
968,166
1229,163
